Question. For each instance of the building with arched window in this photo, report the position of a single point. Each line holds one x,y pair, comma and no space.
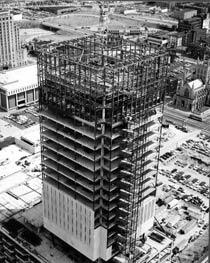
192,95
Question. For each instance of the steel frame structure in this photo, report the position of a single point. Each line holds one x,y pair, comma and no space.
100,100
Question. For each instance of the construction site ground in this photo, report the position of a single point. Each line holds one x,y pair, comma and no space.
195,251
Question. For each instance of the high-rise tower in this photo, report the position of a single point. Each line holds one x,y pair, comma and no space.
101,102
11,53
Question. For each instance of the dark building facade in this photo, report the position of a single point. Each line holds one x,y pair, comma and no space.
15,251
190,24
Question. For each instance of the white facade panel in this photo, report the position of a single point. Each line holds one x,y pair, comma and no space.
73,222
146,215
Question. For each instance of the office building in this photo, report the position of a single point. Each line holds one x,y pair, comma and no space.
12,54
101,103
185,14
159,39
18,87
193,23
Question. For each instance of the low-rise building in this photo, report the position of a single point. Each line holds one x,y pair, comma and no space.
30,141
18,87
193,23
206,23
176,38
199,35
17,16
159,38
185,14
173,220
191,96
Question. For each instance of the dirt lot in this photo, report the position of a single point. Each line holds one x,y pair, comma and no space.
88,20
60,36
77,20
22,119
194,252
29,33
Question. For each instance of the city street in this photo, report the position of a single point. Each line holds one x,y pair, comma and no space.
148,19
181,118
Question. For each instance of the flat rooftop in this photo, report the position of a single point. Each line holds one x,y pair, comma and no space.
14,79
32,134
6,130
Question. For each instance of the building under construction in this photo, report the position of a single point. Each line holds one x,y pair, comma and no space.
101,103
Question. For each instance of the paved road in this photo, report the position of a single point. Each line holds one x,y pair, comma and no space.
147,19
181,118
65,28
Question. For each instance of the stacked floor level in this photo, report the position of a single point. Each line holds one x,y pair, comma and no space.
101,102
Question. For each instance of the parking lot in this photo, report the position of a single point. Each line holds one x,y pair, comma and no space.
183,180
188,164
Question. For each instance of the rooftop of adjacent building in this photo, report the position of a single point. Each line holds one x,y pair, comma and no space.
195,84
192,19
185,10
182,68
13,79
32,134
4,11
177,34
25,228
160,34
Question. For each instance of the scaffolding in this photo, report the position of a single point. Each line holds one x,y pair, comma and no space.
101,103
